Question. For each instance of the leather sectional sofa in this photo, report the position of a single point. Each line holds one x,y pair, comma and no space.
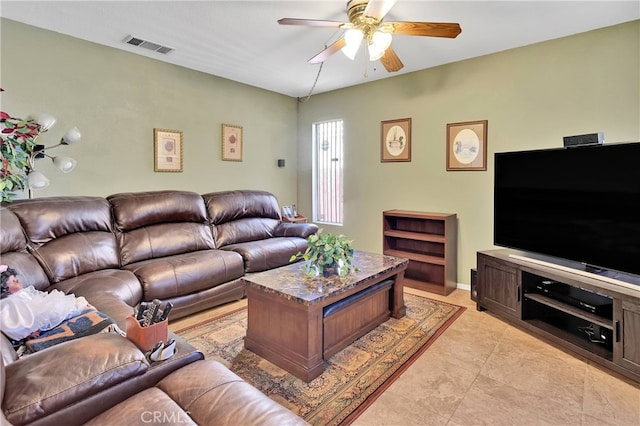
177,246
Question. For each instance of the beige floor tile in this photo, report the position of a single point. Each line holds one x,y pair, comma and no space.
592,421
530,365
394,410
490,402
466,351
609,398
436,384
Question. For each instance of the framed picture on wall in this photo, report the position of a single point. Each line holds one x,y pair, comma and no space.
231,142
467,145
167,148
395,140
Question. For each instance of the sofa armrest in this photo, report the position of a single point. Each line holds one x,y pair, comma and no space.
47,381
302,230
214,395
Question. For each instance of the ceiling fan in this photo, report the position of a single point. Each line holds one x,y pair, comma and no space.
365,23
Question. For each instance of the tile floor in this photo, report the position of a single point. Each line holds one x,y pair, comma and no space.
483,371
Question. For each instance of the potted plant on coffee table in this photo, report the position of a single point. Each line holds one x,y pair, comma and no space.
327,254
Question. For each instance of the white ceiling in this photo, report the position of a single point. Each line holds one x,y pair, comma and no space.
241,40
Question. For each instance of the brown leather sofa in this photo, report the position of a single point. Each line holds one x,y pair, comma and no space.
177,246
119,251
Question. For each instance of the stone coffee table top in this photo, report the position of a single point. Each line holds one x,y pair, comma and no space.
293,283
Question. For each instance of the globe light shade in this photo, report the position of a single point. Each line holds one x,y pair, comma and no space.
380,42
352,39
37,180
65,164
71,137
46,121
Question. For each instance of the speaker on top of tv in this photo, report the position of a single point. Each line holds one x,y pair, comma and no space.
580,140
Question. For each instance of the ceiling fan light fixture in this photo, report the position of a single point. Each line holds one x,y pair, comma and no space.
378,44
353,40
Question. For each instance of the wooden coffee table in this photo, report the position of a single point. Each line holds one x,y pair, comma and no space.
297,321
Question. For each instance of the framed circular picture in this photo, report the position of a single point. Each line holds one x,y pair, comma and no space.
395,144
467,145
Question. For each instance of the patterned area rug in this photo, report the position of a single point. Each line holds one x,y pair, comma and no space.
352,379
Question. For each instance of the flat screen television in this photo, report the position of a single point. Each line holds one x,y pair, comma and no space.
580,204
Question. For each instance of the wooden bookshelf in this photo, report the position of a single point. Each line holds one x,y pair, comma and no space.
429,241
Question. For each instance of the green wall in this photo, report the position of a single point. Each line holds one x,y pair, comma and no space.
531,96
117,98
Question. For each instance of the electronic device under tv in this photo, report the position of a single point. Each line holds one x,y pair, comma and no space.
580,205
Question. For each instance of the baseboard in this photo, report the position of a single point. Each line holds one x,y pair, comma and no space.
466,287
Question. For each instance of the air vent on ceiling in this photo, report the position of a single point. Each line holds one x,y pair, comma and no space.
146,44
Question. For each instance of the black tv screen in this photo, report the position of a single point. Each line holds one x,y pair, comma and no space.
581,204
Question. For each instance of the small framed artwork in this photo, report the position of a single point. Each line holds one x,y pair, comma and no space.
467,145
231,142
167,148
395,143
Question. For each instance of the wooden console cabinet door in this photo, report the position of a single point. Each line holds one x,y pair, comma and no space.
499,287
626,351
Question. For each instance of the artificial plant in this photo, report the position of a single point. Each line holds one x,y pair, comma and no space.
327,253
18,142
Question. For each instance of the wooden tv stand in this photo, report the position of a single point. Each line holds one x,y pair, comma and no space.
518,290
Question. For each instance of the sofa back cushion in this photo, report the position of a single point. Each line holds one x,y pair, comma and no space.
241,216
156,224
70,236
14,252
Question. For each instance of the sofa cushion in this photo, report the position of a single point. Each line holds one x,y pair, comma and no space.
45,219
132,210
186,273
243,230
120,283
197,302
47,381
14,252
227,206
12,233
151,406
214,395
267,254
71,236
240,216
156,241
80,253
152,225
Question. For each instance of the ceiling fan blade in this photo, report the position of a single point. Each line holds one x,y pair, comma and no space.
430,29
310,22
324,55
378,8
391,61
